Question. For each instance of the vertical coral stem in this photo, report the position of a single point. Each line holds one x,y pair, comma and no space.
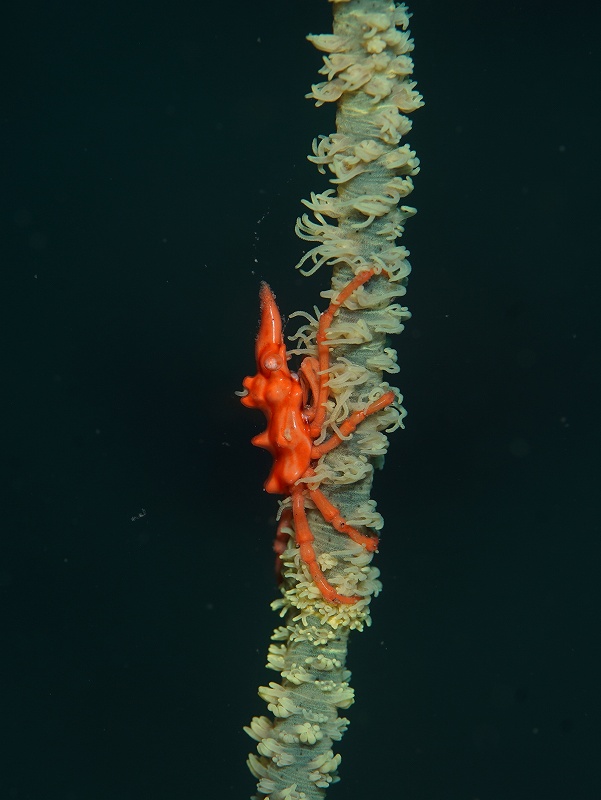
355,230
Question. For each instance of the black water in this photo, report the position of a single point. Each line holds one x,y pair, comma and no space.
154,161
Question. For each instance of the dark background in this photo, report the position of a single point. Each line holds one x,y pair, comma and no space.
153,165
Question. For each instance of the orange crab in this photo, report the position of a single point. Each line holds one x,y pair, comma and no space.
295,408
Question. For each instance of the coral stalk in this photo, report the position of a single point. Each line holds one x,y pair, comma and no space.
352,227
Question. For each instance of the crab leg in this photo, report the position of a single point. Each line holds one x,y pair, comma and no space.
304,540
